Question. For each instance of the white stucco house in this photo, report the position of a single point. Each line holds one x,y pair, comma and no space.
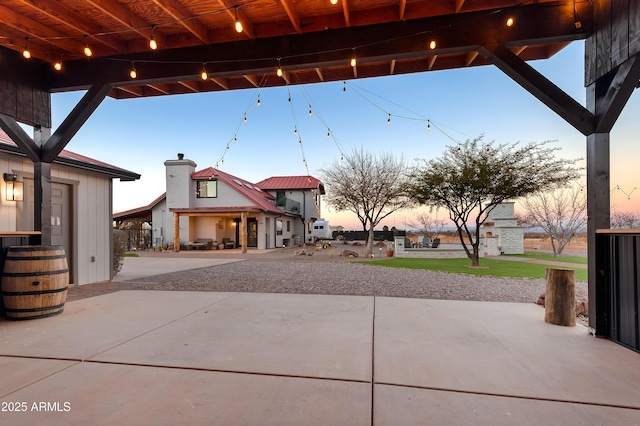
501,233
211,209
81,197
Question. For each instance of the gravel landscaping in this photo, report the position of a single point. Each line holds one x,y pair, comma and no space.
327,272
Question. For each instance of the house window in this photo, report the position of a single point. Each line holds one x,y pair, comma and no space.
288,226
278,227
207,189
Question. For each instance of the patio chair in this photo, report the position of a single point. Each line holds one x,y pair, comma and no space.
228,243
426,242
436,243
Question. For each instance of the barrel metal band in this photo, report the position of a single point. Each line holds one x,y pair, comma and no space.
34,273
44,257
34,293
47,308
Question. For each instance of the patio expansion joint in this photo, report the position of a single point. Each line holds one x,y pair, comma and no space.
373,360
529,398
218,370
75,362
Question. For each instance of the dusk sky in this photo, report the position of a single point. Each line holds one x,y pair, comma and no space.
140,134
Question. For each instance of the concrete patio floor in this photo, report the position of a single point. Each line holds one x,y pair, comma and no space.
137,357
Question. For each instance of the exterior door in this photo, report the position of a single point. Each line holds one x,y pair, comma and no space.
252,233
61,231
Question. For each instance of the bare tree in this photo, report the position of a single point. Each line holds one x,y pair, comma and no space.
370,186
624,220
470,179
561,214
427,224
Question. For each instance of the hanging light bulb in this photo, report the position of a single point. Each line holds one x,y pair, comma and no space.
432,44
238,23
87,50
57,65
26,52
344,87
258,100
245,117
328,133
310,112
133,73
333,1
389,120
153,45
279,71
235,139
204,74
509,22
428,125
354,62
295,130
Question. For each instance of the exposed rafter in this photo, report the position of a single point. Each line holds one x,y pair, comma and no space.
184,18
292,13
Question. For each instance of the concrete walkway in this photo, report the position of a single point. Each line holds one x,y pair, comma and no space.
150,357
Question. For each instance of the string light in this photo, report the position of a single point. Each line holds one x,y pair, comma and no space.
353,58
344,87
26,53
245,117
87,50
310,112
432,44
279,71
328,133
333,1
509,22
389,119
133,73
204,74
258,100
238,23
57,65
152,41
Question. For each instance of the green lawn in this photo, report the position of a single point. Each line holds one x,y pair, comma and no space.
549,256
490,267
131,255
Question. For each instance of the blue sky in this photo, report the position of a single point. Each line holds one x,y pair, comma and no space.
140,134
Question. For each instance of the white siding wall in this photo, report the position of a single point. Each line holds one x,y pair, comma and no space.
90,211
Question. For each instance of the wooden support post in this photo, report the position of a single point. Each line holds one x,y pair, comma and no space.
243,231
176,232
560,298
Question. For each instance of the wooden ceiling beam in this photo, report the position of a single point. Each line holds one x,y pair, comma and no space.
36,30
320,73
459,4
184,18
346,12
191,85
403,6
127,18
431,62
470,58
392,68
222,82
163,88
292,13
252,79
73,20
333,48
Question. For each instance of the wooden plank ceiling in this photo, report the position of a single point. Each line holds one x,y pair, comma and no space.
309,40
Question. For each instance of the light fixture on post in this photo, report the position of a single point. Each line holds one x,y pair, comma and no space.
14,190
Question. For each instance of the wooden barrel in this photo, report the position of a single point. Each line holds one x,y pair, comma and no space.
34,281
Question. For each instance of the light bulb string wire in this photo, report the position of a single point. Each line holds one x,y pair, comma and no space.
295,123
242,120
318,114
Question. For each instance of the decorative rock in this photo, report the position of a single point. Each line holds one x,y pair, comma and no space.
582,302
349,253
300,252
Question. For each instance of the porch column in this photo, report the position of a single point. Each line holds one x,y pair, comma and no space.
243,231
176,232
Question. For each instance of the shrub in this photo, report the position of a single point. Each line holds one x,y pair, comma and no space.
119,249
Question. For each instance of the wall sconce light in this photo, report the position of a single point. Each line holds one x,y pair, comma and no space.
14,189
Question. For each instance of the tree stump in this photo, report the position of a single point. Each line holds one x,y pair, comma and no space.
560,303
